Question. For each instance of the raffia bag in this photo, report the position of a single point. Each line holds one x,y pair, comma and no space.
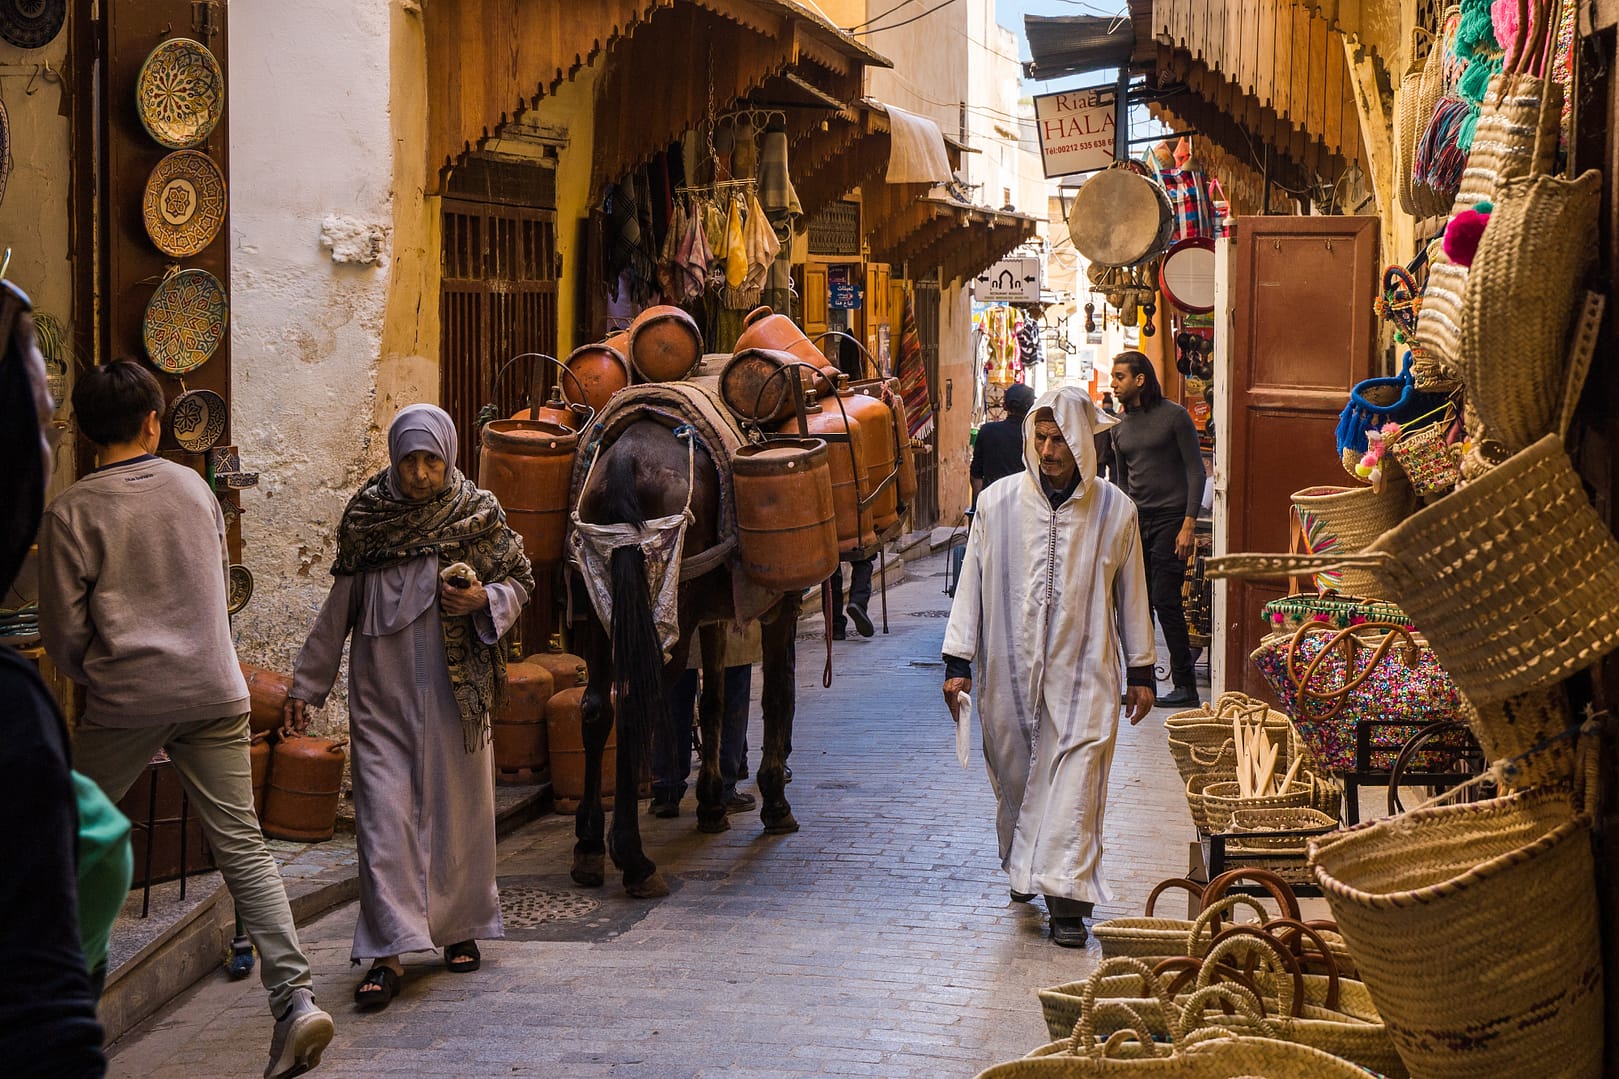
1520,117
1523,731
1434,902
1345,520
1511,579
1520,301
1516,135
1410,121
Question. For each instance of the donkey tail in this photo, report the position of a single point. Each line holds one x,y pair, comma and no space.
637,654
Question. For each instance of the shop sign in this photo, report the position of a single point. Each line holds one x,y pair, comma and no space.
1011,280
845,296
1076,131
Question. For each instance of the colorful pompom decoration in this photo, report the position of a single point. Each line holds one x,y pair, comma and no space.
1464,232
1504,22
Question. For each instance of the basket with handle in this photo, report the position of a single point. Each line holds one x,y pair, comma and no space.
1331,520
1306,1009
1426,901
1510,578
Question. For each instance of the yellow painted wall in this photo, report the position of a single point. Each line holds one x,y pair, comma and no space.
408,365
573,105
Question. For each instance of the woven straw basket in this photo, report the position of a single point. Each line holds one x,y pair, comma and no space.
1439,323
1520,300
1433,904
1510,729
1211,1056
1344,520
1511,579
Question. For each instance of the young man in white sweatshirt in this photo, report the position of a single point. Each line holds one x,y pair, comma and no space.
133,573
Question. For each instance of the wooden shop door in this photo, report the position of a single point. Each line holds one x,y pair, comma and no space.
1302,333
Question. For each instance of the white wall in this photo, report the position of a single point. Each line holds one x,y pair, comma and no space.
310,137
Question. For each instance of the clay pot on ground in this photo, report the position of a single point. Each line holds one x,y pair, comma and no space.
305,786
518,727
565,739
267,693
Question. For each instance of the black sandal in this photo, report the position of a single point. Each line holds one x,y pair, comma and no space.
463,958
379,986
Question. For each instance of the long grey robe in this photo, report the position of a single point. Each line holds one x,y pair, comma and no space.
424,806
1049,606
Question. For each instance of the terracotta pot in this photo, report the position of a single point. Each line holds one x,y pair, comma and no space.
518,726
566,669
905,484
557,411
843,431
665,344
267,694
877,422
756,384
786,523
528,465
597,372
565,738
764,328
305,786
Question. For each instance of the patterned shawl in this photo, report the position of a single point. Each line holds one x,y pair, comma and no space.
459,524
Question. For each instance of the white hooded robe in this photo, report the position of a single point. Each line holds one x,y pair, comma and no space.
1049,606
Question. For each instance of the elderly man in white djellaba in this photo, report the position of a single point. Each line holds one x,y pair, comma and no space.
1052,605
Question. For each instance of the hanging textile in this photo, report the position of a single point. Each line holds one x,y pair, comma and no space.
913,372
780,202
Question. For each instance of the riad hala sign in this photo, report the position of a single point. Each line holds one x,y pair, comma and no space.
1076,131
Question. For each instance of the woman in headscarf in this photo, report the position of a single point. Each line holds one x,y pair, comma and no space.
426,669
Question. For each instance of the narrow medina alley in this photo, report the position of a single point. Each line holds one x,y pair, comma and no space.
879,940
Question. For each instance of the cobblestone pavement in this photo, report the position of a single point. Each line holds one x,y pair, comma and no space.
879,940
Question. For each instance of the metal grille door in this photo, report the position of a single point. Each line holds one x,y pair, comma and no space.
927,461
498,299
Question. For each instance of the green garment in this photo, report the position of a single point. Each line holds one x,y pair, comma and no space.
106,867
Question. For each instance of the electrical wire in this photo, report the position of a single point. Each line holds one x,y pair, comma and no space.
876,18
906,22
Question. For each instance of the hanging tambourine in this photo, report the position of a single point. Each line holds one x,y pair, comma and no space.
1187,275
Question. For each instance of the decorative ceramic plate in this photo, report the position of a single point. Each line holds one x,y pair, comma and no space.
180,93
185,321
184,204
197,420
240,589
28,24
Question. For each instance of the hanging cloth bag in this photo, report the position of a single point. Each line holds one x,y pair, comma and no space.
1376,402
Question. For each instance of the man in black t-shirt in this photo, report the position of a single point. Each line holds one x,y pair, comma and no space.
998,450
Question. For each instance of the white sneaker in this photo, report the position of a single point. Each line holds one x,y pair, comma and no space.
300,1037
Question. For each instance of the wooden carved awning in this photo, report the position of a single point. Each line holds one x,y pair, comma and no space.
1278,63
657,81
851,153
907,224
655,55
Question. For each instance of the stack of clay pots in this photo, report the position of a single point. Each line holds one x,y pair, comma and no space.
537,734
297,779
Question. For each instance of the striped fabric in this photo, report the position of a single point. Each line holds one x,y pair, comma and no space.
913,375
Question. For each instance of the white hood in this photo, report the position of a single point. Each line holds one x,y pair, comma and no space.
1080,421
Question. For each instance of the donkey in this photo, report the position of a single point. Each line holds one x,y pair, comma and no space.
642,475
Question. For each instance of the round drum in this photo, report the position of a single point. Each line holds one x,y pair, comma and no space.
665,344
596,372
1187,275
1119,218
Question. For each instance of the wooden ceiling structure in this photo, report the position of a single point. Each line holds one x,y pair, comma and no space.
664,62
1267,83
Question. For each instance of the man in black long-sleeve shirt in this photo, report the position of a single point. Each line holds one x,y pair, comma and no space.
1156,459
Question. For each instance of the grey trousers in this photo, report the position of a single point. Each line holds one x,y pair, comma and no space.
212,759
